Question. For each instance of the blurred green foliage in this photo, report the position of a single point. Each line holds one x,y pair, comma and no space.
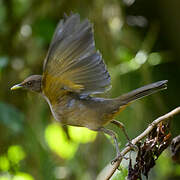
140,43
121,175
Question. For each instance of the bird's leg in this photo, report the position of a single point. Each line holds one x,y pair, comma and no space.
121,125
113,135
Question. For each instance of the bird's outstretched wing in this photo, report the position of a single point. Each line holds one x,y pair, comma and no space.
72,62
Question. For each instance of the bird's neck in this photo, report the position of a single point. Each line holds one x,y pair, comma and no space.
37,86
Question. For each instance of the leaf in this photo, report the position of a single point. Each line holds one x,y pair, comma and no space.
11,117
121,175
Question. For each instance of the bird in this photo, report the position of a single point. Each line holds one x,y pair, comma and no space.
73,73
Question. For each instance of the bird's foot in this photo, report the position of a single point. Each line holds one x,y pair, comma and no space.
133,146
119,157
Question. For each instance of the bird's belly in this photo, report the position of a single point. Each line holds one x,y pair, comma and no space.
79,112
77,115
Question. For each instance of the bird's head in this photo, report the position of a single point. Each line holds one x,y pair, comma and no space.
32,83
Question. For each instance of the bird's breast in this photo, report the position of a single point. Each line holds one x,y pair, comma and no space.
74,113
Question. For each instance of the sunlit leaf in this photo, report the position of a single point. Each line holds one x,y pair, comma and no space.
4,177
22,176
4,163
58,142
16,153
154,59
81,135
124,54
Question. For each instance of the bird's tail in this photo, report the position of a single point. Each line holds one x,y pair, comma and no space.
141,92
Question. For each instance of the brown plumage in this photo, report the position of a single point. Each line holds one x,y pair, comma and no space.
73,71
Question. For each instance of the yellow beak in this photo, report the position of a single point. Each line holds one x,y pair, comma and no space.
17,86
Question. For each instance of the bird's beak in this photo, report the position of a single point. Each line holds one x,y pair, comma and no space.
17,86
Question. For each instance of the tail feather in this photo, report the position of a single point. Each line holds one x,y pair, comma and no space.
142,92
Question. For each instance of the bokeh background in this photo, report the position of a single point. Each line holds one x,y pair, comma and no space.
140,43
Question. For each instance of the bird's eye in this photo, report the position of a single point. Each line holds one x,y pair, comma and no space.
29,83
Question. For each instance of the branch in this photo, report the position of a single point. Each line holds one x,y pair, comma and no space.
109,170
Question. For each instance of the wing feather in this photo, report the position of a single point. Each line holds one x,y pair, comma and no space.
72,62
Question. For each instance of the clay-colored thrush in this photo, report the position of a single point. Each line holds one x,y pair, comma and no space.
73,71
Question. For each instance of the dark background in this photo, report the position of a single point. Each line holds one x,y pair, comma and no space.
140,43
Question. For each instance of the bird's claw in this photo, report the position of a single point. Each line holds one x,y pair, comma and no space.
118,157
133,146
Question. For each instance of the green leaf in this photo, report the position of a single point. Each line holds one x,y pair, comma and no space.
121,175
22,176
58,142
3,62
20,7
43,30
11,117
4,163
16,154
81,135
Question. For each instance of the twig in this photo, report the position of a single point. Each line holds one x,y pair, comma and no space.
108,172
